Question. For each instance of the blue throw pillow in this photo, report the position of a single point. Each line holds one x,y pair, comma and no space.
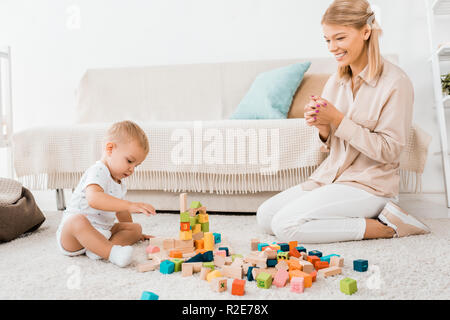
271,94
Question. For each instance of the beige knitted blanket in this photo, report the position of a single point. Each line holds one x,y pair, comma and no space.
226,156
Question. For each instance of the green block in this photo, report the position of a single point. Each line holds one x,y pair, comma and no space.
205,226
178,262
236,255
264,280
196,204
283,255
184,216
209,265
193,220
348,286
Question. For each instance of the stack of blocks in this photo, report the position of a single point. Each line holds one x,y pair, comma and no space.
267,264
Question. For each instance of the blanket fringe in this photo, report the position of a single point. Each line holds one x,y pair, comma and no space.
242,183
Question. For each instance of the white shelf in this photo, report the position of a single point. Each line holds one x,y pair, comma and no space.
444,52
441,7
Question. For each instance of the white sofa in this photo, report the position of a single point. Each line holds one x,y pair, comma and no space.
178,102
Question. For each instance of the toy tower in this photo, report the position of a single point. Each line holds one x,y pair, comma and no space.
192,220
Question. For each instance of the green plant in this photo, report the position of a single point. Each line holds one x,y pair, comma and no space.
445,82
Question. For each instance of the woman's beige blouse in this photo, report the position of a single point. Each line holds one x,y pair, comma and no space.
364,151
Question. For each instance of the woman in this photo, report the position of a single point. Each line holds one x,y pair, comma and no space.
363,117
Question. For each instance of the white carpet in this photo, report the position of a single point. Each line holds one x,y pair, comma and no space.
415,267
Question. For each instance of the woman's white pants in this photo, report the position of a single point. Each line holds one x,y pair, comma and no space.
331,213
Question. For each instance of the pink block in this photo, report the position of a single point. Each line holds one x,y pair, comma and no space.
222,253
152,249
281,278
297,284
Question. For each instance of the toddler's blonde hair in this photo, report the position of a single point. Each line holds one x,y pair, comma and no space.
125,131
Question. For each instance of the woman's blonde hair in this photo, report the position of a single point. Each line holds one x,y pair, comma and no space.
124,131
356,14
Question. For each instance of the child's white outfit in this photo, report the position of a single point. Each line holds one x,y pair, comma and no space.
103,221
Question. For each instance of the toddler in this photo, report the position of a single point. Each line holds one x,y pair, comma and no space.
87,225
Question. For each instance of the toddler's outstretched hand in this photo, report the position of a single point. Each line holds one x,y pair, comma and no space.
141,207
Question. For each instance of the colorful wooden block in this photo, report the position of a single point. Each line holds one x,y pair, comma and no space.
249,273
222,253
177,264
152,249
316,253
219,260
209,265
232,271
226,250
292,245
294,253
197,258
183,202
184,216
199,244
193,221
328,257
264,280
213,274
166,267
307,278
270,253
307,266
301,249
284,247
168,244
282,264
282,255
208,241
202,218
196,229
275,247
204,272
175,254
330,271
294,265
313,275
281,278
208,256
321,265
297,284
187,269
147,295
360,265
313,259
205,226
236,255
238,287
186,235
348,286
219,284
195,204
217,237
261,246
271,262
147,266
336,262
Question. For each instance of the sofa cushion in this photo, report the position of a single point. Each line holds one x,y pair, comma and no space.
271,94
312,84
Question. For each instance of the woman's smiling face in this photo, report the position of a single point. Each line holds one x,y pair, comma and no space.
347,44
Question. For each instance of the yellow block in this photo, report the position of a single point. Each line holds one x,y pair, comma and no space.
202,218
208,242
213,274
186,235
197,228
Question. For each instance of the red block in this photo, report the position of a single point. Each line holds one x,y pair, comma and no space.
321,265
185,226
313,275
313,260
294,253
237,288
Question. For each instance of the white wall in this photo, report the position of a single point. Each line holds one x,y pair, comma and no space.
55,41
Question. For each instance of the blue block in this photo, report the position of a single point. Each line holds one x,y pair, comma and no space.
284,246
226,250
217,237
271,262
147,295
197,258
249,274
327,258
261,245
167,267
208,256
301,249
316,253
360,265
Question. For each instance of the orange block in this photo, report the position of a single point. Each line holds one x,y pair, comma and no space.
199,244
238,287
313,259
307,278
294,253
175,254
292,245
200,250
294,265
185,226
321,265
313,275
